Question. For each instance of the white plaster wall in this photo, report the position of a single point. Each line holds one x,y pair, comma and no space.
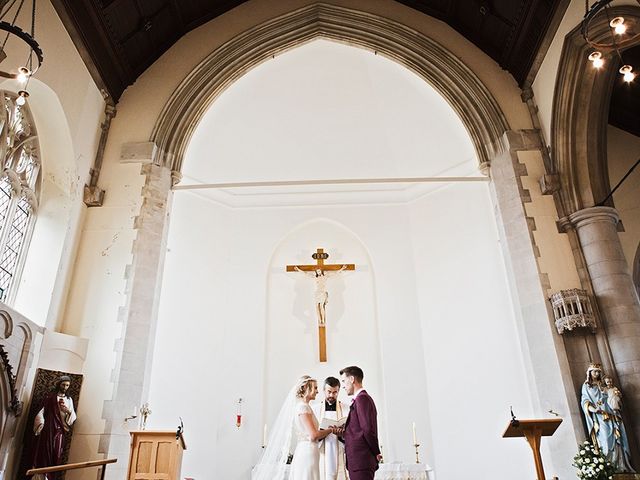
423,293
623,150
326,110
65,353
243,296
97,293
475,370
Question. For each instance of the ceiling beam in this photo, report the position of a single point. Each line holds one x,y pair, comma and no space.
89,37
336,181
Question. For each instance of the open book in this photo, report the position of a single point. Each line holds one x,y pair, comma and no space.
327,422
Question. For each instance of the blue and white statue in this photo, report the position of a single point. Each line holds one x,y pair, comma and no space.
603,415
620,454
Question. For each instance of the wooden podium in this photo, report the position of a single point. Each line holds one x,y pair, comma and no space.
155,455
533,430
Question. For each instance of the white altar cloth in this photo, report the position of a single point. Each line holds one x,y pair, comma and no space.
387,471
405,471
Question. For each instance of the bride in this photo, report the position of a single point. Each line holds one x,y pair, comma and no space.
295,420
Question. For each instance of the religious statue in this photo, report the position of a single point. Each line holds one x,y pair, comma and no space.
320,272
604,423
50,425
614,395
321,295
145,411
621,454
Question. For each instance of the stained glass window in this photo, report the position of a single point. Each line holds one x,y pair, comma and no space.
19,183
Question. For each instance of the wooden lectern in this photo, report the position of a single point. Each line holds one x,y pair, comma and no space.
155,455
533,430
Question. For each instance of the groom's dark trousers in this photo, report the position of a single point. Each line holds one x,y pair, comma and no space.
361,438
362,474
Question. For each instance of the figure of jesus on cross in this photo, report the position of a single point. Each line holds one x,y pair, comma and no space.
320,272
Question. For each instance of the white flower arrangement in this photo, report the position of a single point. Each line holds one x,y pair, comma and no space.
591,464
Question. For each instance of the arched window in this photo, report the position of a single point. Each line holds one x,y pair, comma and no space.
19,189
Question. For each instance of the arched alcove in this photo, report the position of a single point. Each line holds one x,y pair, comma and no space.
468,97
291,322
60,187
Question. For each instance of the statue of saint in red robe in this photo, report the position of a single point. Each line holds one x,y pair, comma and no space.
52,421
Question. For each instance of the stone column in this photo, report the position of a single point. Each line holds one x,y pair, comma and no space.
135,347
596,229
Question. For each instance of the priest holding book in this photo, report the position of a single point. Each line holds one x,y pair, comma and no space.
331,411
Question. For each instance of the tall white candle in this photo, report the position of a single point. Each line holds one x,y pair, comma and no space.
415,438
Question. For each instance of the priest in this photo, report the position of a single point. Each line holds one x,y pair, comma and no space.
332,466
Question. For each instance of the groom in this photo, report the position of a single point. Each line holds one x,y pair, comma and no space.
361,430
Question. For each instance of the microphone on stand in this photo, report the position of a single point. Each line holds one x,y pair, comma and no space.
514,421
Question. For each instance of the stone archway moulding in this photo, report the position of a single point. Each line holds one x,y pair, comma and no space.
471,100
580,112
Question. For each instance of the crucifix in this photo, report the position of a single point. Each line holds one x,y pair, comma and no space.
320,272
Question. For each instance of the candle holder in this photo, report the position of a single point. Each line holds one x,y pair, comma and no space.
239,413
130,417
145,411
416,445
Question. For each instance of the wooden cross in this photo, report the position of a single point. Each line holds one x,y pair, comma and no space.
318,272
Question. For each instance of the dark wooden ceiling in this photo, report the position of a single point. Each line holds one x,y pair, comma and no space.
624,110
120,39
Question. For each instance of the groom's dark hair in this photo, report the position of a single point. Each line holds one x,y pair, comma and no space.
333,382
355,372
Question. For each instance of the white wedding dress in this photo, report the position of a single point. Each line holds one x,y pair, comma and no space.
306,458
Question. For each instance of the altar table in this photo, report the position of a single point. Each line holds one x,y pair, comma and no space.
387,471
405,471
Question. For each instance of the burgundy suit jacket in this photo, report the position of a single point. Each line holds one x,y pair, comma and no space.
361,434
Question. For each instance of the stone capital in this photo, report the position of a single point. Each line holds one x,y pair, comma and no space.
485,168
588,216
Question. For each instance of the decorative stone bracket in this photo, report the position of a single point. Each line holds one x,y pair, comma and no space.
572,309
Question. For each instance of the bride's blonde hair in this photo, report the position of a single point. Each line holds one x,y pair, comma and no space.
305,385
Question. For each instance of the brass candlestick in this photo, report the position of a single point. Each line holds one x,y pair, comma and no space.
417,454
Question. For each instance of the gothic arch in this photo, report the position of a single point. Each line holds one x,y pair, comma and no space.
580,111
471,100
